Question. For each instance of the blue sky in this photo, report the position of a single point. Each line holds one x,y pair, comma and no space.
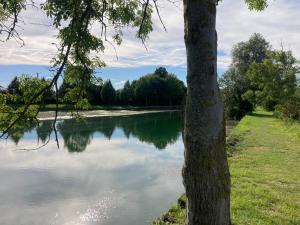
279,23
118,75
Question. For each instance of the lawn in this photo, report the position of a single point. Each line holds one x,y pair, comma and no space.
265,173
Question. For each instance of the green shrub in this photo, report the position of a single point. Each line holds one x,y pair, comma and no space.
289,110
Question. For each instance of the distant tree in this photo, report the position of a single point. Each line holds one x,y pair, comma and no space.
175,90
161,71
118,99
49,95
29,85
108,93
20,85
63,89
14,90
273,80
235,82
14,87
254,50
93,91
127,94
156,90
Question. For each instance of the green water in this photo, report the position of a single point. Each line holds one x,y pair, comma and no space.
109,170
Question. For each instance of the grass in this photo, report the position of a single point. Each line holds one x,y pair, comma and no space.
265,173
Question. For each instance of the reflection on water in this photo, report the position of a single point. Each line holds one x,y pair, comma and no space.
159,129
109,171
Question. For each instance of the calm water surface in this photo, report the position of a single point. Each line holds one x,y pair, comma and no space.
112,171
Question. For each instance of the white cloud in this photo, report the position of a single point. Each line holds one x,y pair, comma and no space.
278,23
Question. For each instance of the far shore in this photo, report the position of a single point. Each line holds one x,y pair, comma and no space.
50,115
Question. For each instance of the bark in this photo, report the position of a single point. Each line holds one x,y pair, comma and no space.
205,171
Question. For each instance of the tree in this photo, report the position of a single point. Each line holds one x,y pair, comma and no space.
49,95
236,106
127,94
93,91
254,50
235,82
108,93
156,90
161,71
273,79
14,89
205,172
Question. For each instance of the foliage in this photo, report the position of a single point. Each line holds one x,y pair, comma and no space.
290,109
244,54
93,91
22,87
154,89
273,80
258,76
108,93
172,91
13,89
257,4
126,94
232,88
235,84
161,71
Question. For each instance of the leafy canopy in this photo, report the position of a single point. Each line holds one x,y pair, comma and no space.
274,79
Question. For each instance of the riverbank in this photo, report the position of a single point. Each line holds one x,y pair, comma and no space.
50,115
265,171
66,107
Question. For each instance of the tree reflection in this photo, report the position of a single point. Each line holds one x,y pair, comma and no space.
43,130
76,134
159,129
16,134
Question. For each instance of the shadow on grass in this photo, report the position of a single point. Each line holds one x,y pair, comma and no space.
262,115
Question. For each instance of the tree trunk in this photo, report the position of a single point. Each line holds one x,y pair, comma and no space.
205,172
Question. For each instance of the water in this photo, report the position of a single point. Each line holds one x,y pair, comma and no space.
112,171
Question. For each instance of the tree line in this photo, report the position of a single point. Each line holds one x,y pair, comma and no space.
260,76
159,88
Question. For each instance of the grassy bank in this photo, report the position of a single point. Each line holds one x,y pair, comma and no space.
265,173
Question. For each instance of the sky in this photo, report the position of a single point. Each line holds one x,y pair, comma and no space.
279,23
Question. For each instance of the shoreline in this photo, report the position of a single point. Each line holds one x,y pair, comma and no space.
62,115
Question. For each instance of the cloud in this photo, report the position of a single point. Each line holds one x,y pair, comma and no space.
235,23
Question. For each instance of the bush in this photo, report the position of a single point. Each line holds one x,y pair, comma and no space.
289,110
